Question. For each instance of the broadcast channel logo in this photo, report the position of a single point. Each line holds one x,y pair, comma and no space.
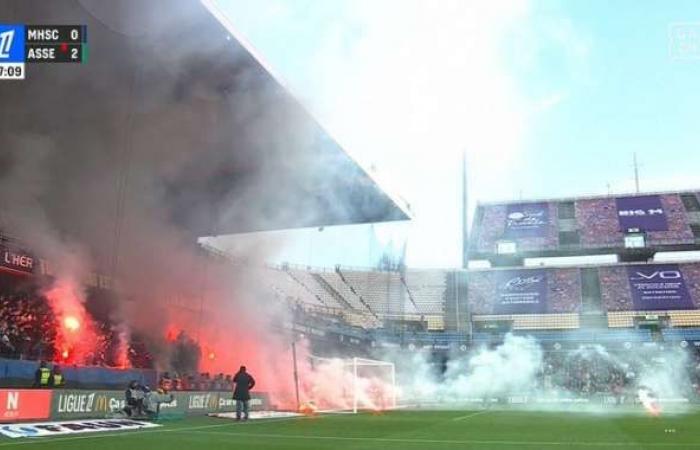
11,43
684,41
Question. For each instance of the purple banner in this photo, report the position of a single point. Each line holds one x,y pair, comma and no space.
658,287
527,220
521,292
644,213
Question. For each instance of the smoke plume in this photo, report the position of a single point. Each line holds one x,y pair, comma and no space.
150,153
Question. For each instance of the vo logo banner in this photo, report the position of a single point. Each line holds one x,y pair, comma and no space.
658,287
659,274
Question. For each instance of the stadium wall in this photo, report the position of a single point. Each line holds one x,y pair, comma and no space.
21,373
18,405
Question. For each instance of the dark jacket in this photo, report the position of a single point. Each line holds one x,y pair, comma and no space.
244,383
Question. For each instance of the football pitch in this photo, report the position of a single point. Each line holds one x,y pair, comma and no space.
479,429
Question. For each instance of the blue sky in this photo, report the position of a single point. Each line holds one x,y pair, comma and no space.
547,98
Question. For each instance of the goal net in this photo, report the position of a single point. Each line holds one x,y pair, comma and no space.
349,385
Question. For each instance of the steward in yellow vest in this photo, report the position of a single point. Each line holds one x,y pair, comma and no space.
42,376
57,379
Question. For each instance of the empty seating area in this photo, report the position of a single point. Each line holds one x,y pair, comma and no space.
625,319
366,298
427,290
336,282
307,281
383,291
535,321
288,289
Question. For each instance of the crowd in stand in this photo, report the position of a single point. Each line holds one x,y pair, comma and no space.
198,382
586,373
614,289
28,331
26,327
564,291
590,371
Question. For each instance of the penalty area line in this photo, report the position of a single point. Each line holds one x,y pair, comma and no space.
419,441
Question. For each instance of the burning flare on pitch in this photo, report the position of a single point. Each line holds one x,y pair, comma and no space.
648,399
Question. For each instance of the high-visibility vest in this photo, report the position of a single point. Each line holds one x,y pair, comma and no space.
44,377
57,379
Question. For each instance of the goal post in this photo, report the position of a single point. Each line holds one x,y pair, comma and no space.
350,384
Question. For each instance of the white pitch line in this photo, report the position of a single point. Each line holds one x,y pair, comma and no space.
450,441
471,415
132,433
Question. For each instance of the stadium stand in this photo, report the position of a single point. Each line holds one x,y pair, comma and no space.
287,288
587,225
383,291
336,282
599,225
307,280
427,290
563,289
615,285
26,327
552,304
490,227
534,321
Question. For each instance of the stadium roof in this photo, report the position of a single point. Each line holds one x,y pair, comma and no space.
264,162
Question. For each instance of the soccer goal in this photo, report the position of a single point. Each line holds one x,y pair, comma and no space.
350,385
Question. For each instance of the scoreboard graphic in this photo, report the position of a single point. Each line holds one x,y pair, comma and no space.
28,44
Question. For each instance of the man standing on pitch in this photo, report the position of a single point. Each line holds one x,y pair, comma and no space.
241,394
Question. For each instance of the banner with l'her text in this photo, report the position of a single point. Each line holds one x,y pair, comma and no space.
658,287
521,292
526,220
645,213
17,261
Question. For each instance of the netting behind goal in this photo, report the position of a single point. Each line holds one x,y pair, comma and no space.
350,385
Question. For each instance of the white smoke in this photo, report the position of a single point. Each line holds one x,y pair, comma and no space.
666,375
510,368
517,372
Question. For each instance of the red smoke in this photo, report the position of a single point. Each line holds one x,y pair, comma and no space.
76,336
266,355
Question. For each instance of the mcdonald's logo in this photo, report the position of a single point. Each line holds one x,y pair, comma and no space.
102,404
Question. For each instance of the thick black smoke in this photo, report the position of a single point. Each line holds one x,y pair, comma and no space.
169,132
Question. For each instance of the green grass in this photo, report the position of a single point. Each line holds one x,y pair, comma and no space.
402,430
